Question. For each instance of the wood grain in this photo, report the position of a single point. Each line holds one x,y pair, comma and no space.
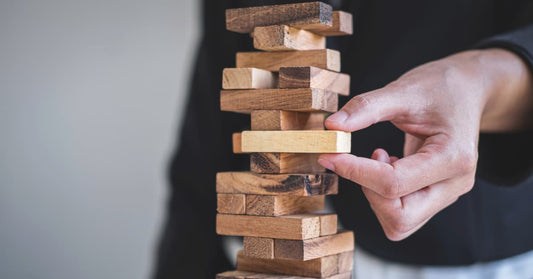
285,163
328,224
299,99
295,227
252,275
277,184
283,38
345,262
231,203
267,205
248,78
313,248
236,139
258,247
321,267
305,77
342,25
280,120
271,61
303,15
295,141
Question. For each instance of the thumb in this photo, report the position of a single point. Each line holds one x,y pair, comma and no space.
367,109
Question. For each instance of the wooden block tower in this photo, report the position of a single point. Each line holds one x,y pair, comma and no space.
287,88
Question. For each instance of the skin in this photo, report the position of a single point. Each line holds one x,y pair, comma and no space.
441,106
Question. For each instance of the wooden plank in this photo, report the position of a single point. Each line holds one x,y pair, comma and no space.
236,139
299,99
345,262
342,25
303,226
309,15
276,120
328,224
252,275
313,248
258,247
283,37
267,205
277,184
248,78
231,203
321,267
295,141
271,61
285,163
305,77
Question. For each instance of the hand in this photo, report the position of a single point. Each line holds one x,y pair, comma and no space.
441,106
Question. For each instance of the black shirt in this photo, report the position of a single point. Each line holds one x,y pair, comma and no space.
493,221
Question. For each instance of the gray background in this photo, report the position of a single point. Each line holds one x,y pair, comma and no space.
90,96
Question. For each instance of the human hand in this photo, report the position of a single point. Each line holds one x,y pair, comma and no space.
441,106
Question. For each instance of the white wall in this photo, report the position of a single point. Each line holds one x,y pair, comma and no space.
90,94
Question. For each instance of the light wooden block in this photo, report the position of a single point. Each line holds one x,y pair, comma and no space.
345,262
309,249
328,224
298,99
271,61
283,38
280,120
258,247
318,268
267,205
342,25
295,141
236,139
248,78
305,77
253,275
277,184
295,227
285,163
303,15
231,203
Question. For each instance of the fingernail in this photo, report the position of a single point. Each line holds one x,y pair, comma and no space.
326,164
340,116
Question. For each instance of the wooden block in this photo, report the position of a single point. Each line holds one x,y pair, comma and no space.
237,274
277,184
299,99
248,78
283,37
236,137
342,25
321,267
328,224
345,262
258,247
252,275
305,77
280,120
313,248
271,61
285,163
266,205
231,203
295,141
310,15
303,226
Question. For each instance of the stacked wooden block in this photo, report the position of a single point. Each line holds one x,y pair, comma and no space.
287,89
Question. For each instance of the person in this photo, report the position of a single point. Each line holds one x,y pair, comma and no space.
441,110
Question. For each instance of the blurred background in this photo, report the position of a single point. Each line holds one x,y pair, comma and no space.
91,97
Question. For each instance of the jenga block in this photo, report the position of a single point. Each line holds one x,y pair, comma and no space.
258,247
305,77
294,227
237,274
295,141
342,25
285,163
252,275
248,78
328,224
266,205
299,99
280,120
302,15
345,262
277,184
236,137
321,267
313,248
283,37
231,203
271,61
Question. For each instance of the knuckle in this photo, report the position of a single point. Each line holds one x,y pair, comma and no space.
393,188
466,161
